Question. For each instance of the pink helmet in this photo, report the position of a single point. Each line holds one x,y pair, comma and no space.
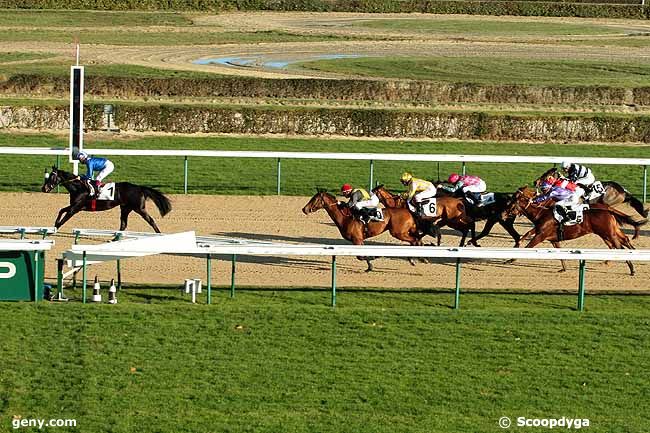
453,178
346,188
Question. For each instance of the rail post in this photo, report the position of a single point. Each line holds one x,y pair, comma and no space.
457,294
36,253
645,182
333,281
185,164
74,274
233,260
118,236
279,176
581,286
209,277
83,276
464,169
57,167
372,169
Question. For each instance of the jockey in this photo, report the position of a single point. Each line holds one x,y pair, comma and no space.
565,193
95,163
364,203
418,190
471,186
578,174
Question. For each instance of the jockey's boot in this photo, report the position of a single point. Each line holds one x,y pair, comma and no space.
476,197
95,184
90,184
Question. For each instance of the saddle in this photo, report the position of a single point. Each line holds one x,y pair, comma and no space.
366,215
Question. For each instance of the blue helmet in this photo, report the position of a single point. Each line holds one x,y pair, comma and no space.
82,156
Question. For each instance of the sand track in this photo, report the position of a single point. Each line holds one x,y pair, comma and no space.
280,219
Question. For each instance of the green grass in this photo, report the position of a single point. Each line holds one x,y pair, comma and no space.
18,56
62,68
278,360
301,177
487,27
79,18
493,70
128,36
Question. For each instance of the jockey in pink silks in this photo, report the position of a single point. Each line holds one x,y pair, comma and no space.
471,186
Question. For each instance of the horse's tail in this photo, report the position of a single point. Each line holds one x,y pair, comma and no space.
622,218
636,204
161,201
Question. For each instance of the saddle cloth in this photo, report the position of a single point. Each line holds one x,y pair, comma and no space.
576,212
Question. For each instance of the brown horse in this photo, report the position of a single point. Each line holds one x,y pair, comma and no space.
613,195
449,211
599,220
398,222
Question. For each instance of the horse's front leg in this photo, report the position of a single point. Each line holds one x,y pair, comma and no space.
61,212
72,210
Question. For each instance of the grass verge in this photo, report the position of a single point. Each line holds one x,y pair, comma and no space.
275,360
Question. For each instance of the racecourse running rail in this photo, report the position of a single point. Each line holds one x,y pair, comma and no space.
371,157
187,244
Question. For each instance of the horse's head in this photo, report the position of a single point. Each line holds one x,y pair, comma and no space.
386,197
51,180
518,202
549,175
319,201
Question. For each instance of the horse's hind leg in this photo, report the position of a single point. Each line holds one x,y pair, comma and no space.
143,213
124,216
556,244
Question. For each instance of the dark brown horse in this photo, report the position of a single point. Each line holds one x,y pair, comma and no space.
450,211
129,197
613,195
599,220
398,222
491,213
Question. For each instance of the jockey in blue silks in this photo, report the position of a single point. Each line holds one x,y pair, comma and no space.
103,166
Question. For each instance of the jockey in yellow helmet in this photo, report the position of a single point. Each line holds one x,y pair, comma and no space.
418,190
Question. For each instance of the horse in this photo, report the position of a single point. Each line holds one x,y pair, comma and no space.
613,195
491,213
399,222
449,211
130,198
599,219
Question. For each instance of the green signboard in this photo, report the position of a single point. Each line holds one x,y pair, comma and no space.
21,275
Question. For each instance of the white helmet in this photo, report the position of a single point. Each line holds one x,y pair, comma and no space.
82,156
565,165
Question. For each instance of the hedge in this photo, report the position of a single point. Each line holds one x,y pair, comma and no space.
490,7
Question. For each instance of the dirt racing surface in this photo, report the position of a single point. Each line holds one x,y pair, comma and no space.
280,219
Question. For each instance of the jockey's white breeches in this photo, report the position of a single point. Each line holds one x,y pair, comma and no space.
479,187
573,200
587,180
108,169
427,193
372,202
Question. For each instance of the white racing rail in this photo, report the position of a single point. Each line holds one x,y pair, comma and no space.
371,157
186,244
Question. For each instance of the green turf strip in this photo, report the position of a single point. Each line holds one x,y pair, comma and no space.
88,18
493,70
487,27
277,360
250,176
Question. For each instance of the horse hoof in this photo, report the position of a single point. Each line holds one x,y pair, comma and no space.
510,261
561,270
